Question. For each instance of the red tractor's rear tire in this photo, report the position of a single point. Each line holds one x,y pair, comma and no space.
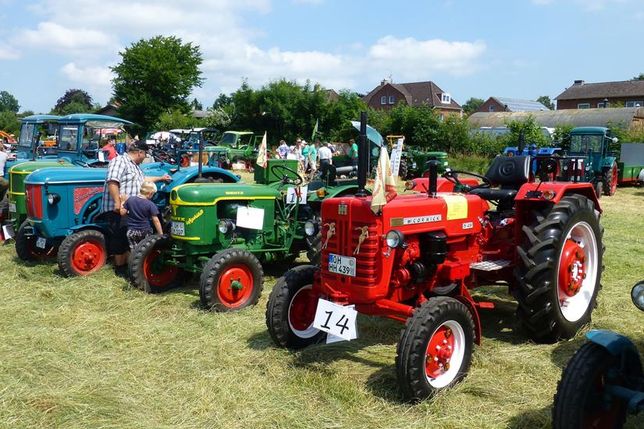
147,271
599,188
559,270
291,309
610,181
435,348
231,280
82,253
580,401
26,246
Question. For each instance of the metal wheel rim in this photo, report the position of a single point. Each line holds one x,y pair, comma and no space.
456,360
301,305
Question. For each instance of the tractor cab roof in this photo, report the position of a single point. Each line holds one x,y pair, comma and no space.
91,119
39,119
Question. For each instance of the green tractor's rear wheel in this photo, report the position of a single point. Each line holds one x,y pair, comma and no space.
148,271
403,171
610,180
231,280
82,253
560,270
435,348
26,248
291,309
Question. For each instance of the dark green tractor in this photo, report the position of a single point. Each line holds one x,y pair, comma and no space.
226,232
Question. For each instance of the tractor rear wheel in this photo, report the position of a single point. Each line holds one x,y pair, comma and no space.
26,248
435,348
291,309
403,171
610,180
82,253
581,400
599,188
231,280
147,270
559,271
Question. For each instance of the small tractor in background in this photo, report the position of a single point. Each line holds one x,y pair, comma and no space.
413,161
416,260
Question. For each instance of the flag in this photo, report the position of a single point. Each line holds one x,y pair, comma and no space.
315,131
262,155
384,187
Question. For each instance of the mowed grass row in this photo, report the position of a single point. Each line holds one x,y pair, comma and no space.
94,353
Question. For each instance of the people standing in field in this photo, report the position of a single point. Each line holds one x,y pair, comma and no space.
353,153
283,149
4,183
325,155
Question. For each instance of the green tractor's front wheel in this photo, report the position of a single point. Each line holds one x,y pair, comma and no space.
148,271
231,280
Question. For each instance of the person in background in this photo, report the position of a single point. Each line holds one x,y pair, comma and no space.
140,212
304,159
353,153
325,156
124,179
282,149
110,148
4,183
313,155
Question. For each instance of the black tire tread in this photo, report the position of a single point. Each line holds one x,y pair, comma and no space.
66,249
138,255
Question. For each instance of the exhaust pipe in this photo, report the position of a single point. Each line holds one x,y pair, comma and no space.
363,157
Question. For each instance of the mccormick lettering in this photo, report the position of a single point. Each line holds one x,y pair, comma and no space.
422,219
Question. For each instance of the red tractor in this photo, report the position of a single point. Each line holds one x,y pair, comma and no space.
418,258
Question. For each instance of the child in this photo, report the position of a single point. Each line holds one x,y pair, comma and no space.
140,211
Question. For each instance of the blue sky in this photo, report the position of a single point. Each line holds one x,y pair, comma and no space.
520,48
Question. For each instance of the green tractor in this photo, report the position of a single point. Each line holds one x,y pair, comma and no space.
226,232
236,146
414,160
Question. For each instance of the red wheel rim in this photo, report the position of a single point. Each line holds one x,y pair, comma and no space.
572,268
88,257
301,312
235,286
439,352
613,180
157,274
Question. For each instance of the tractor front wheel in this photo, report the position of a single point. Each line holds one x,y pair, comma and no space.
560,270
147,269
599,188
231,280
581,400
435,348
82,253
26,248
610,180
291,309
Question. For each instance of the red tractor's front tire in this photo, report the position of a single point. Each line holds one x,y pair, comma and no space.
231,280
291,309
147,270
559,270
82,253
581,401
435,348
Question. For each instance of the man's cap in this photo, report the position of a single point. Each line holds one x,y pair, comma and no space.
139,145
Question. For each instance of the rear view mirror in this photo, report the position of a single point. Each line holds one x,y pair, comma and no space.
637,295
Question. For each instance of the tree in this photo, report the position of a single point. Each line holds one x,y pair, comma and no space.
155,76
8,103
529,129
472,105
73,101
546,101
9,122
640,77
196,105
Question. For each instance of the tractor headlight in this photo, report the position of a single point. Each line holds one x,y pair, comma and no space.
53,198
225,226
637,295
409,185
310,228
395,238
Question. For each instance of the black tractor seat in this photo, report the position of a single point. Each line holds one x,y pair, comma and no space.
509,173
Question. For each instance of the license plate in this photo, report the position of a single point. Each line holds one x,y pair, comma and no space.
41,242
12,207
178,228
344,265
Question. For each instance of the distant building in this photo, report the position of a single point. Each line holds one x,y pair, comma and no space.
388,94
627,117
110,109
503,104
582,95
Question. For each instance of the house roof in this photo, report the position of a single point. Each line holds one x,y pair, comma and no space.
519,105
582,90
417,94
553,118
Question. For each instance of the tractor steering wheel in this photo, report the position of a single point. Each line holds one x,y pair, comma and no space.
282,170
452,176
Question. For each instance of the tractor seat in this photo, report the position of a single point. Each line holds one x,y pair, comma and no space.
509,173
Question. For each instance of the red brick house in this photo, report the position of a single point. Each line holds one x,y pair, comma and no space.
388,94
582,95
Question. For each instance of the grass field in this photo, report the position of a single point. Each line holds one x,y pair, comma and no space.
94,353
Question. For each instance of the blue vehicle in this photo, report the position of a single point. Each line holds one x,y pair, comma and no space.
603,381
63,207
36,131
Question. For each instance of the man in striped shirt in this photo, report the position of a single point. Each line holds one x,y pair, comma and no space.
124,179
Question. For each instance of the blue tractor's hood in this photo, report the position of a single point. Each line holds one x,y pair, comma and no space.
66,175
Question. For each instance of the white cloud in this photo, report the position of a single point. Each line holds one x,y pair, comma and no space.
8,53
50,35
96,77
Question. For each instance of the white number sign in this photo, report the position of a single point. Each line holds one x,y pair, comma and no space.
339,321
291,195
